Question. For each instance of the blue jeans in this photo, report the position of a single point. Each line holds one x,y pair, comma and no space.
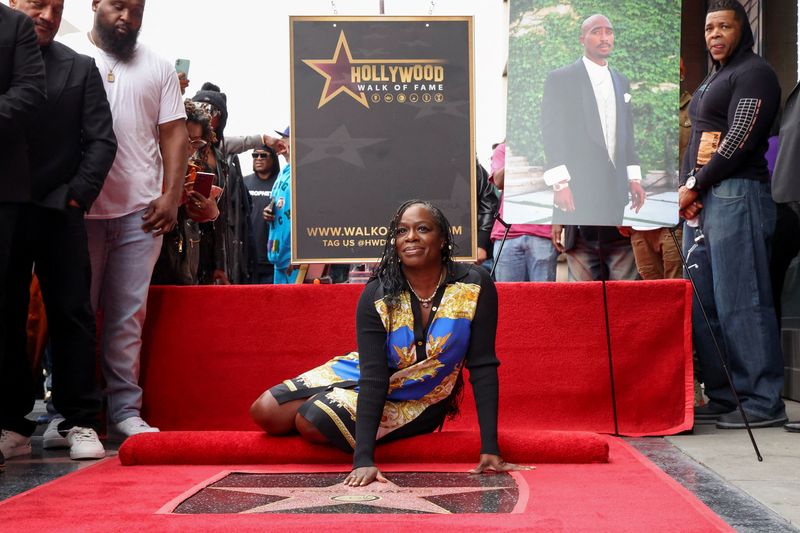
728,256
526,258
123,257
618,262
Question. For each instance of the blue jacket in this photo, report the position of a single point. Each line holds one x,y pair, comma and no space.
279,246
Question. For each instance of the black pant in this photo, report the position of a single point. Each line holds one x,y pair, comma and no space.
264,274
55,242
785,246
9,218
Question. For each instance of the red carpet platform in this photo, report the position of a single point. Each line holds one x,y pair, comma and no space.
255,447
626,494
210,351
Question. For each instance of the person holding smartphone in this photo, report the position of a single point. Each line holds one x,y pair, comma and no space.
182,68
179,260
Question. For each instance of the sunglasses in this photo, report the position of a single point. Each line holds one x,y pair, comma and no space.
261,155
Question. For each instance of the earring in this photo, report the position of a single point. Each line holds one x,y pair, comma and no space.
392,241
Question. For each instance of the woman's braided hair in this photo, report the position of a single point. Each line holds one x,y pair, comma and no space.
198,114
389,271
390,275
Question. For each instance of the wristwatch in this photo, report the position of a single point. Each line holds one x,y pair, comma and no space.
691,182
560,186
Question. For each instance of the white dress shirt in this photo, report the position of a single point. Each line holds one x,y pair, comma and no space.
603,88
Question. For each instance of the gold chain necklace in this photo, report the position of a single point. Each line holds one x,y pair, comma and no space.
110,76
426,302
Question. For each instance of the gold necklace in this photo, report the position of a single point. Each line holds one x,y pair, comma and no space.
110,76
426,302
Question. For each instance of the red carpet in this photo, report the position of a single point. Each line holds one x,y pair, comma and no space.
627,494
251,447
210,351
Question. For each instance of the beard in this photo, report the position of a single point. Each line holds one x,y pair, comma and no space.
120,46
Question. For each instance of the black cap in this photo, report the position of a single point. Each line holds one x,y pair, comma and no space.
211,94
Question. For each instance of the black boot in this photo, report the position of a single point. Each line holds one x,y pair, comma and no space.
710,412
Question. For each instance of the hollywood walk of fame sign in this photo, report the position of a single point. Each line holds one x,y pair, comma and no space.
382,112
324,493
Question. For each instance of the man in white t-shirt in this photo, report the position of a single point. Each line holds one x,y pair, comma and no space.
139,201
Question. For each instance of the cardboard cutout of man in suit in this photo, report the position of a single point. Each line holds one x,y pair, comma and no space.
587,131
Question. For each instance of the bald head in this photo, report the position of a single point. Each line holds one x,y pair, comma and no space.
597,38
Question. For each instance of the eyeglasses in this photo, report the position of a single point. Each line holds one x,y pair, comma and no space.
197,143
261,155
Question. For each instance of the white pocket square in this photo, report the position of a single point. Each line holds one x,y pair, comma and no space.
626,97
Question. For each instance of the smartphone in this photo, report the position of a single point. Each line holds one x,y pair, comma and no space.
182,65
203,182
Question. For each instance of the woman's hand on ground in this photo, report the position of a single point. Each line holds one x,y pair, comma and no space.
494,463
363,476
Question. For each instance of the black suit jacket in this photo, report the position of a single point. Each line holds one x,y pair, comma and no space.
573,136
73,145
22,91
786,176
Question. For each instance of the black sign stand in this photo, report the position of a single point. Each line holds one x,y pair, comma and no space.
507,227
603,277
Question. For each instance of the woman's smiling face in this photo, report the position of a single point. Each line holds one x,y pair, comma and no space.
418,238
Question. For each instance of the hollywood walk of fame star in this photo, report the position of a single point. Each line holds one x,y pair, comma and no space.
380,495
339,145
336,72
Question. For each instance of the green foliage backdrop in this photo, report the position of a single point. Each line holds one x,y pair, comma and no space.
544,36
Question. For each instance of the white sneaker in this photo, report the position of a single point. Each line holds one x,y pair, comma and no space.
51,437
132,426
13,444
84,444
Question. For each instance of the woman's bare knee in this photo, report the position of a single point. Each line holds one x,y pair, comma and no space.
308,430
272,417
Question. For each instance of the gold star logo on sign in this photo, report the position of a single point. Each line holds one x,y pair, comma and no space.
336,72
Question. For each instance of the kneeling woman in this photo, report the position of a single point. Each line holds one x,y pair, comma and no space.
420,319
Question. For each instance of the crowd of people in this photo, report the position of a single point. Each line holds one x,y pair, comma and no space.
116,182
